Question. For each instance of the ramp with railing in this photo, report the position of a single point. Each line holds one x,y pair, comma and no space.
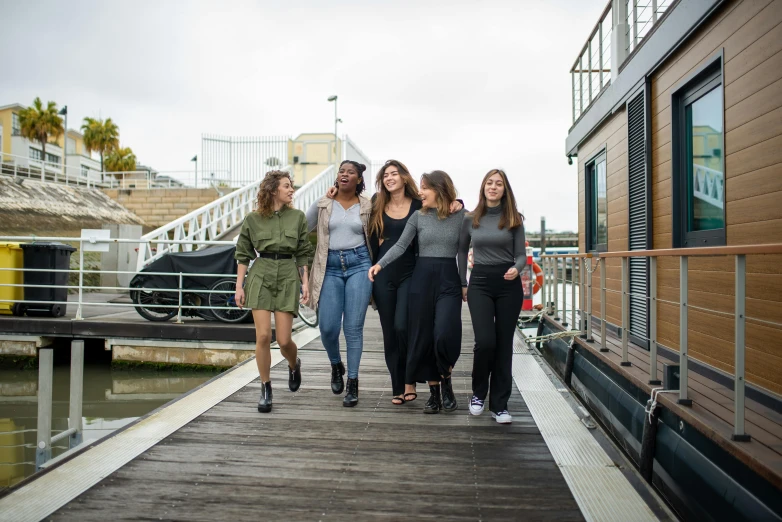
216,220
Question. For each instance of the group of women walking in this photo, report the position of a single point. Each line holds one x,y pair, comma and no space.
418,240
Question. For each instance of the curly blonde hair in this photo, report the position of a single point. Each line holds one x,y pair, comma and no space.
267,191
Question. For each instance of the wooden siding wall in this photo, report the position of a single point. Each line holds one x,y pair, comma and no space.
613,136
750,34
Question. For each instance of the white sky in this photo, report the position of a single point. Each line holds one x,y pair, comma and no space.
463,86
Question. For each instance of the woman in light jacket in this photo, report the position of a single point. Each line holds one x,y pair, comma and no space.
339,288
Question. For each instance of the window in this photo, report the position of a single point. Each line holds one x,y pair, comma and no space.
16,127
53,158
85,171
35,154
699,160
597,204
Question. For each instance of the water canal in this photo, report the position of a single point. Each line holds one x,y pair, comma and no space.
112,398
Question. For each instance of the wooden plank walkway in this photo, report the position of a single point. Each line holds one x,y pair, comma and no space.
312,459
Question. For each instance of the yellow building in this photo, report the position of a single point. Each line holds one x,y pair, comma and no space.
20,154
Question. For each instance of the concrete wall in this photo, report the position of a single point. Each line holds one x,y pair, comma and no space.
158,207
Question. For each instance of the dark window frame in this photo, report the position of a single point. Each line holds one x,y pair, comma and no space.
701,82
589,165
16,125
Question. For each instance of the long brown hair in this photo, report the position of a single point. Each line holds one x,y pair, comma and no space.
441,183
267,191
383,196
511,217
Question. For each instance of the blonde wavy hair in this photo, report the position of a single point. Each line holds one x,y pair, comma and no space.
267,191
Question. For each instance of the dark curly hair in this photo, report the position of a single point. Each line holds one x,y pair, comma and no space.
361,168
268,189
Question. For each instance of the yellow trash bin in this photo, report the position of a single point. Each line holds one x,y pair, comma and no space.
11,256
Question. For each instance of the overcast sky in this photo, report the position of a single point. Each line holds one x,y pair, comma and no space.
462,86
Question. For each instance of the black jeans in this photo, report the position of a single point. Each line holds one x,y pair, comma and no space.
391,299
435,321
495,305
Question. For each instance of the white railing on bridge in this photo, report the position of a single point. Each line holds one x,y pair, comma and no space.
708,185
216,219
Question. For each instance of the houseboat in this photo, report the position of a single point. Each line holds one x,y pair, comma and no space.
677,133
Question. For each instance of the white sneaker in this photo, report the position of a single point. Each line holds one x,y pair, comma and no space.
476,406
502,417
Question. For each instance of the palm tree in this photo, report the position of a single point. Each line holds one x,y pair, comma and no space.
100,136
38,124
121,159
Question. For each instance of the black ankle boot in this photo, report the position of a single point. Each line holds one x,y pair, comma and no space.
337,382
351,397
435,403
449,399
294,376
265,402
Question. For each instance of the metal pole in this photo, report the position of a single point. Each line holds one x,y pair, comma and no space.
564,291
551,287
65,147
573,92
81,280
635,24
542,235
654,12
544,286
43,449
573,271
589,54
600,51
603,340
653,321
683,263
625,309
582,295
336,139
589,339
179,308
77,389
555,261
739,317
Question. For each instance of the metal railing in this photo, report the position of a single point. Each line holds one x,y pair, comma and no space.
590,263
214,220
621,29
591,72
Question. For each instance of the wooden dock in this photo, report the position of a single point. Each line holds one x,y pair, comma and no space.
313,459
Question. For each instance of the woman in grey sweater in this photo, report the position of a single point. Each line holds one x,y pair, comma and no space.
495,296
434,303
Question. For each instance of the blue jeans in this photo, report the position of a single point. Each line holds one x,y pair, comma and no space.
344,299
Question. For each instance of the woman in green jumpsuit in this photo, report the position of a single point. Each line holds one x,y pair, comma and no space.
275,236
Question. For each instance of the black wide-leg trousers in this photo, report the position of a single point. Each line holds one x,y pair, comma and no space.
495,305
391,297
434,319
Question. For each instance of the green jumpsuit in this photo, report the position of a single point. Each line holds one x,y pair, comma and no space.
273,284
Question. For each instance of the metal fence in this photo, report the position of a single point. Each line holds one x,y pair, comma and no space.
242,159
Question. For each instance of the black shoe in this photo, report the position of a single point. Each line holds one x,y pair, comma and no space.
294,376
435,402
265,402
351,397
449,399
337,382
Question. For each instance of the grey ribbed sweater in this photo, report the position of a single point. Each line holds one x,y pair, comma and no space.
436,237
490,244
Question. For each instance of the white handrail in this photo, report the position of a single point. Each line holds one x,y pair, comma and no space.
214,220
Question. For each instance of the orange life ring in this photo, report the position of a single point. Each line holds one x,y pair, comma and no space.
538,277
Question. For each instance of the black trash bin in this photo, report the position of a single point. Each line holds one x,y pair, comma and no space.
46,256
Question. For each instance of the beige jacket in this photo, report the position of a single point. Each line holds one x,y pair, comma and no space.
322,250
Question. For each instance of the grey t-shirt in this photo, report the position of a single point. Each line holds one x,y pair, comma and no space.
490,244
345,228
436,237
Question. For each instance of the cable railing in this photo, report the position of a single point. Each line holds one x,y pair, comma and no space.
581,312
591,72
641,17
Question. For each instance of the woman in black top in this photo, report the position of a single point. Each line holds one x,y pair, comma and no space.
395,201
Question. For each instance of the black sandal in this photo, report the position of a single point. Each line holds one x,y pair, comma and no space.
406,395
398,399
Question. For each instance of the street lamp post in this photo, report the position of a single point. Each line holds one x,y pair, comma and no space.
195,158
333,98
64,112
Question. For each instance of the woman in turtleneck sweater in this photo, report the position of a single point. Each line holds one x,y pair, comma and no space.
496,231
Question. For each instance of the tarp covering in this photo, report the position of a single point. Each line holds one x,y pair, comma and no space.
215,260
